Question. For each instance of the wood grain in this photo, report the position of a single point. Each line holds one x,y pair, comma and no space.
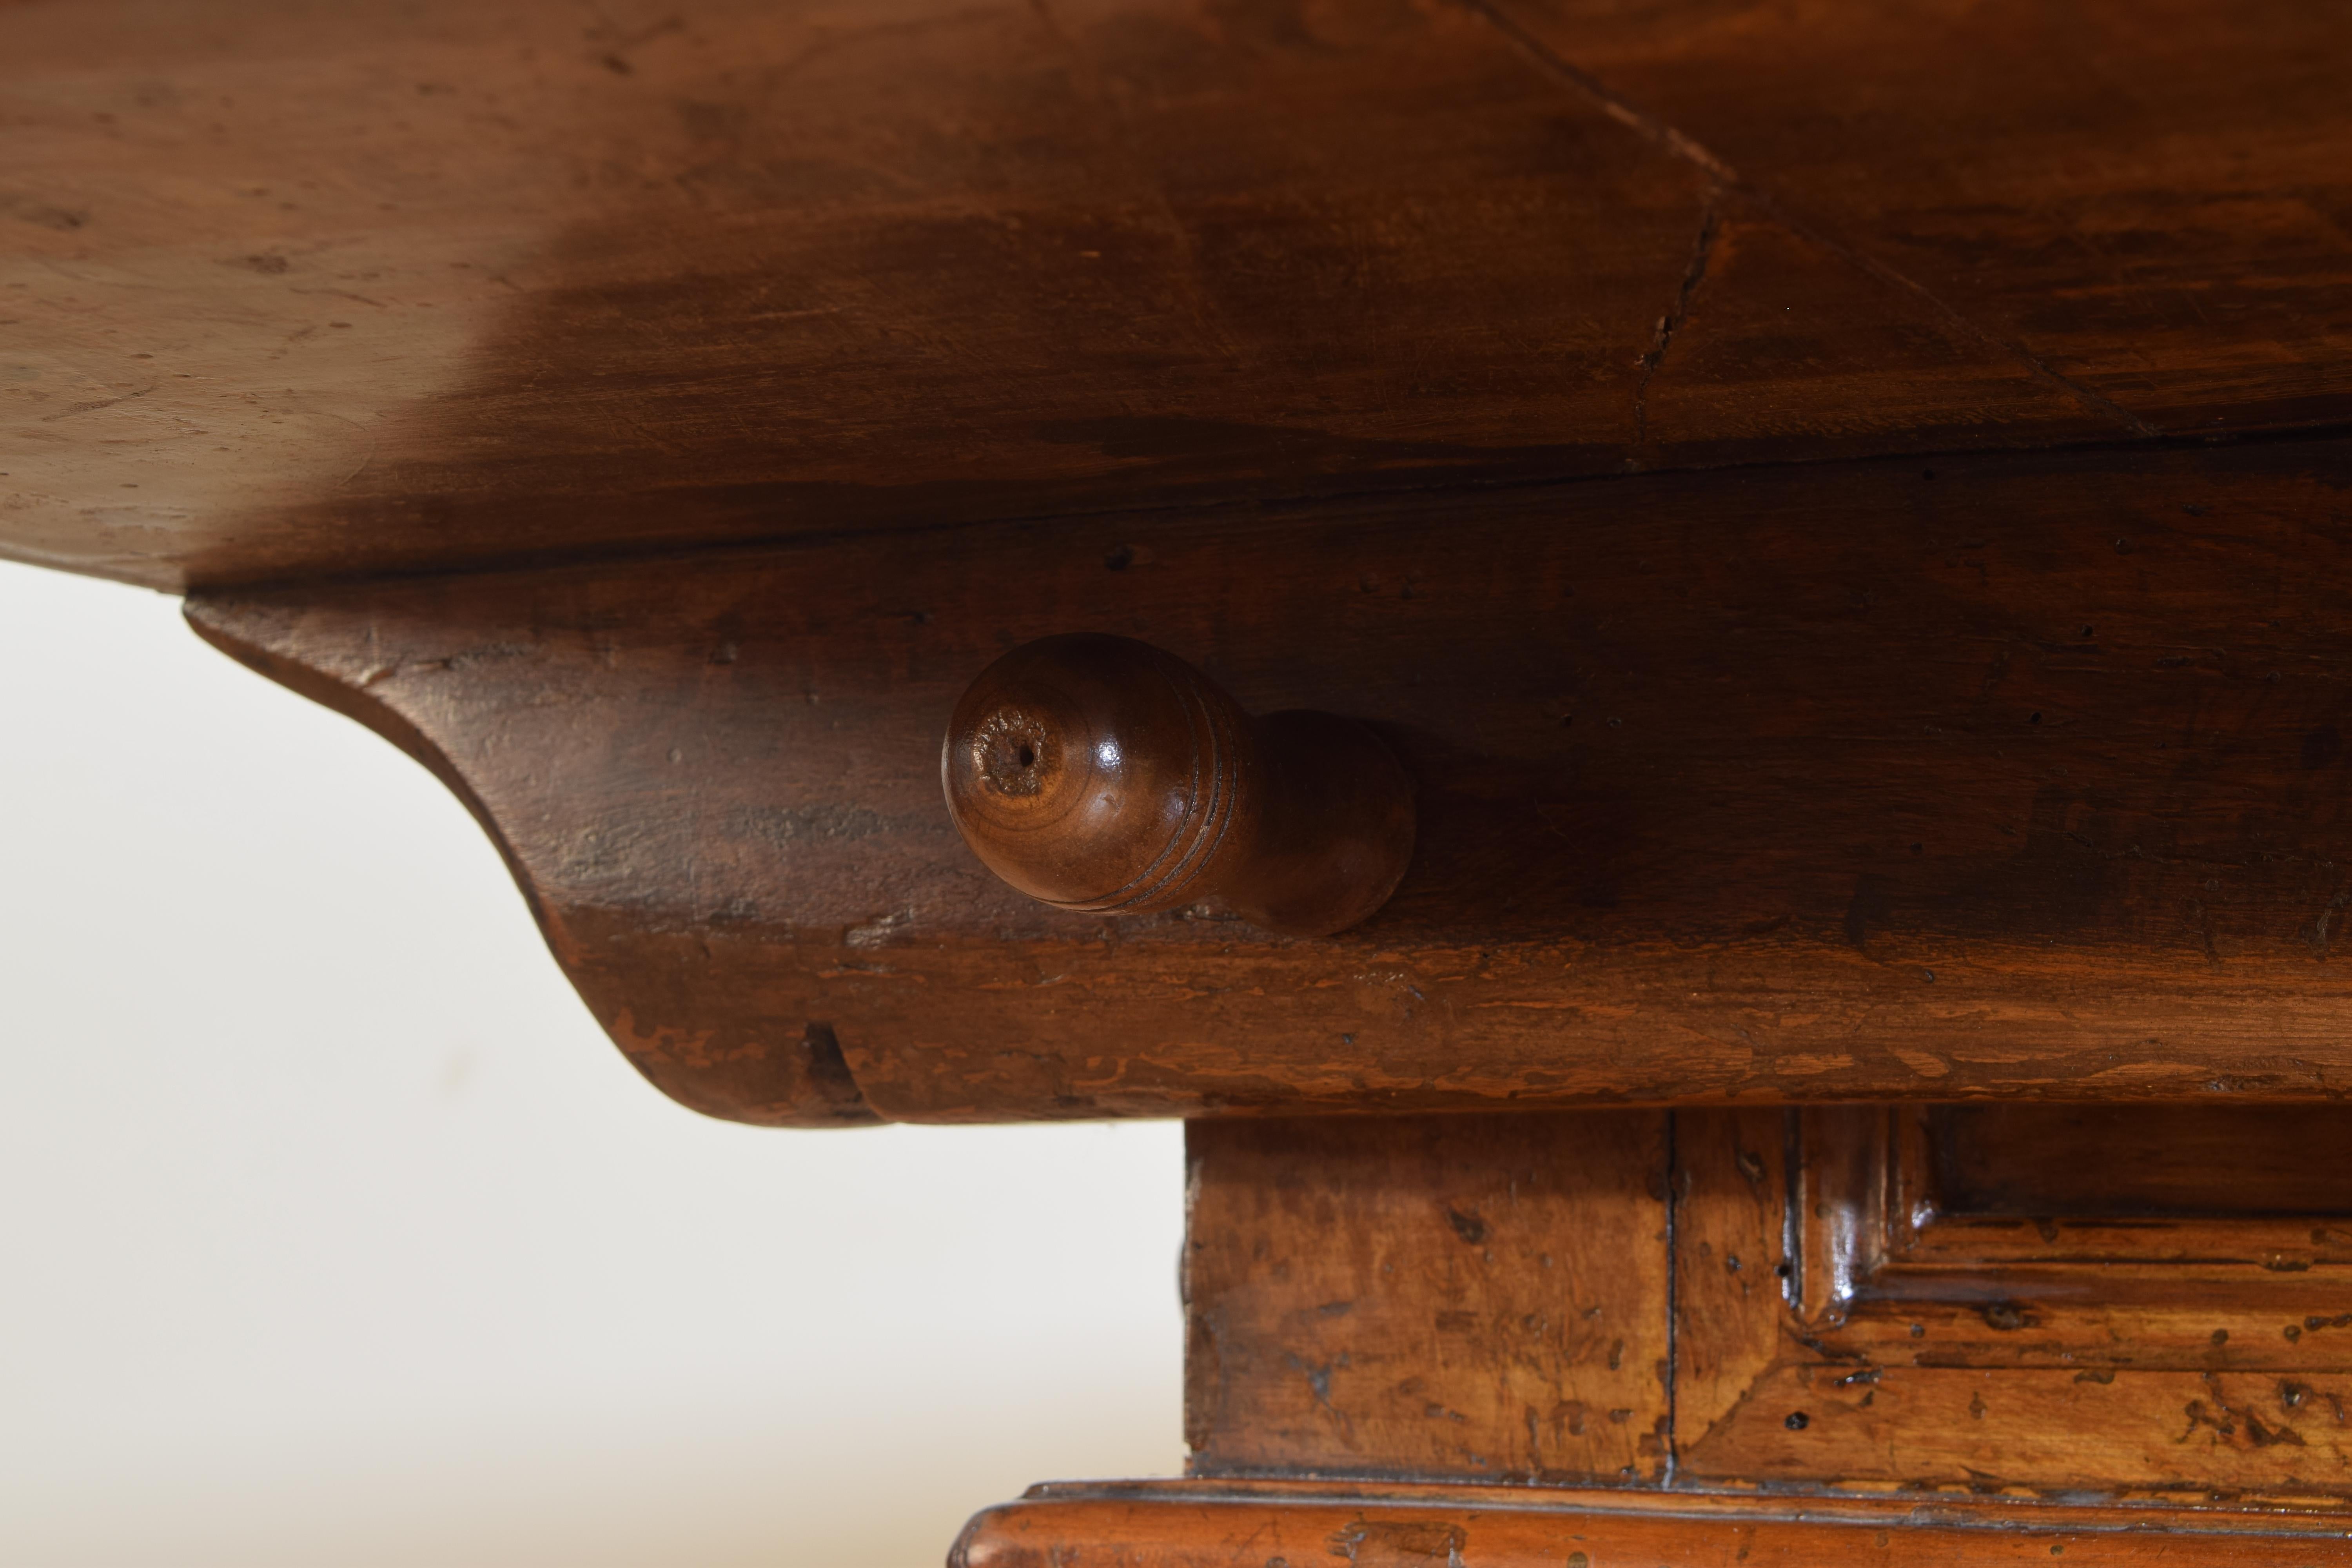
2282,1160
2051,1431
1736,1260
1218,1525
2017,775
2149,203
1104,775
2113,1343
295,290
1431,1296
1425,1300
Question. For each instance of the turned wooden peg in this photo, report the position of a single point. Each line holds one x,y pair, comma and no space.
1099,773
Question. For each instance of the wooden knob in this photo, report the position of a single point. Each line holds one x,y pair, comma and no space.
1099,773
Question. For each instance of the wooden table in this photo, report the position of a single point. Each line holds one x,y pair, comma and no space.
1843,511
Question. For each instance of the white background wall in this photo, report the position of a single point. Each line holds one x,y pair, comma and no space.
333,1231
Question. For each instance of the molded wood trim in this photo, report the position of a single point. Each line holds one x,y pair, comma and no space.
1222,1525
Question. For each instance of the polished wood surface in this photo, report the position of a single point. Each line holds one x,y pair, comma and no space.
2146,199
2027,1162
2108,1343
1701,1300
1230,1525
1103,776
1837,511
2021,774
1442,1296
292,290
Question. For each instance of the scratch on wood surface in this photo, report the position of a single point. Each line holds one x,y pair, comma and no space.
1616,108
70,409
1663,135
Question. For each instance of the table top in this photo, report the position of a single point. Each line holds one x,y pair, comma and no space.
291,292
1837,507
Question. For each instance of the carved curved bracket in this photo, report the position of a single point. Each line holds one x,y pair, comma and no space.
515,724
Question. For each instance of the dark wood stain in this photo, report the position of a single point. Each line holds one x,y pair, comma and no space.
455,290
2210,1160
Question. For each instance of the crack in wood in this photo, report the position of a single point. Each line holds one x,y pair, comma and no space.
1710,222
1728,179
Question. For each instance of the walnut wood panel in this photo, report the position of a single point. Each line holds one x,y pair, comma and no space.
1197,1525
2090,1316
1918,1345
2017,774
1384,1298
2152,201
1431,1295
1736,1258
293,289
2148,1432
